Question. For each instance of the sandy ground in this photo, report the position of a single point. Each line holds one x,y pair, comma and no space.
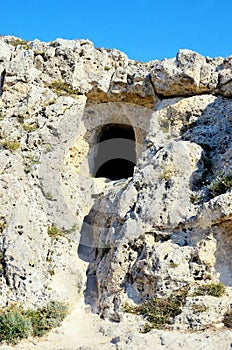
83,330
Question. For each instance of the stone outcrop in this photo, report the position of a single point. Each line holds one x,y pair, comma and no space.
190,73
161,230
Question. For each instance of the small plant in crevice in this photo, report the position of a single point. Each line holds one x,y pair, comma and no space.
220,184
33,159
199,308
173,265
167,173
29,161
30,127
187,126
51,272
227,320
10,145
159,313
71,230
20,119
39,52
27,169
3,225
55,233
48,196
213,289
164,125
63,89
196,199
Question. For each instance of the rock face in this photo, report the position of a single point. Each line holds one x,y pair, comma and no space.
165,228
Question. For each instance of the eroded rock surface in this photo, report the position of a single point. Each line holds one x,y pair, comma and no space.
166,228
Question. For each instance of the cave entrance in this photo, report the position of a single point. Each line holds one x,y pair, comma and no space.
116,152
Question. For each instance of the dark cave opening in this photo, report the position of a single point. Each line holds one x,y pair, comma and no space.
116,152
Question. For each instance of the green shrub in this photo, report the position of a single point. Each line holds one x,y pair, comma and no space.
221,184
107,68
213,289
48,317
159,312
227,320
15,42
17,323
14,325
10,145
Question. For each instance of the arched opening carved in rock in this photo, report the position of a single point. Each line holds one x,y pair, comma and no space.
116,152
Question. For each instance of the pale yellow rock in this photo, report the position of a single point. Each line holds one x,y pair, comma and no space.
151,234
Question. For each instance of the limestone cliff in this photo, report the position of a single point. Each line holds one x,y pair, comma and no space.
164,227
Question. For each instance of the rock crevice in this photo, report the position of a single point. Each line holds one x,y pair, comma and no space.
164,227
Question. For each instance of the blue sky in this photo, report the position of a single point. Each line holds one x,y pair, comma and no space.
144,30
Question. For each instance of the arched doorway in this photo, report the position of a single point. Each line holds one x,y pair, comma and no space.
116,152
